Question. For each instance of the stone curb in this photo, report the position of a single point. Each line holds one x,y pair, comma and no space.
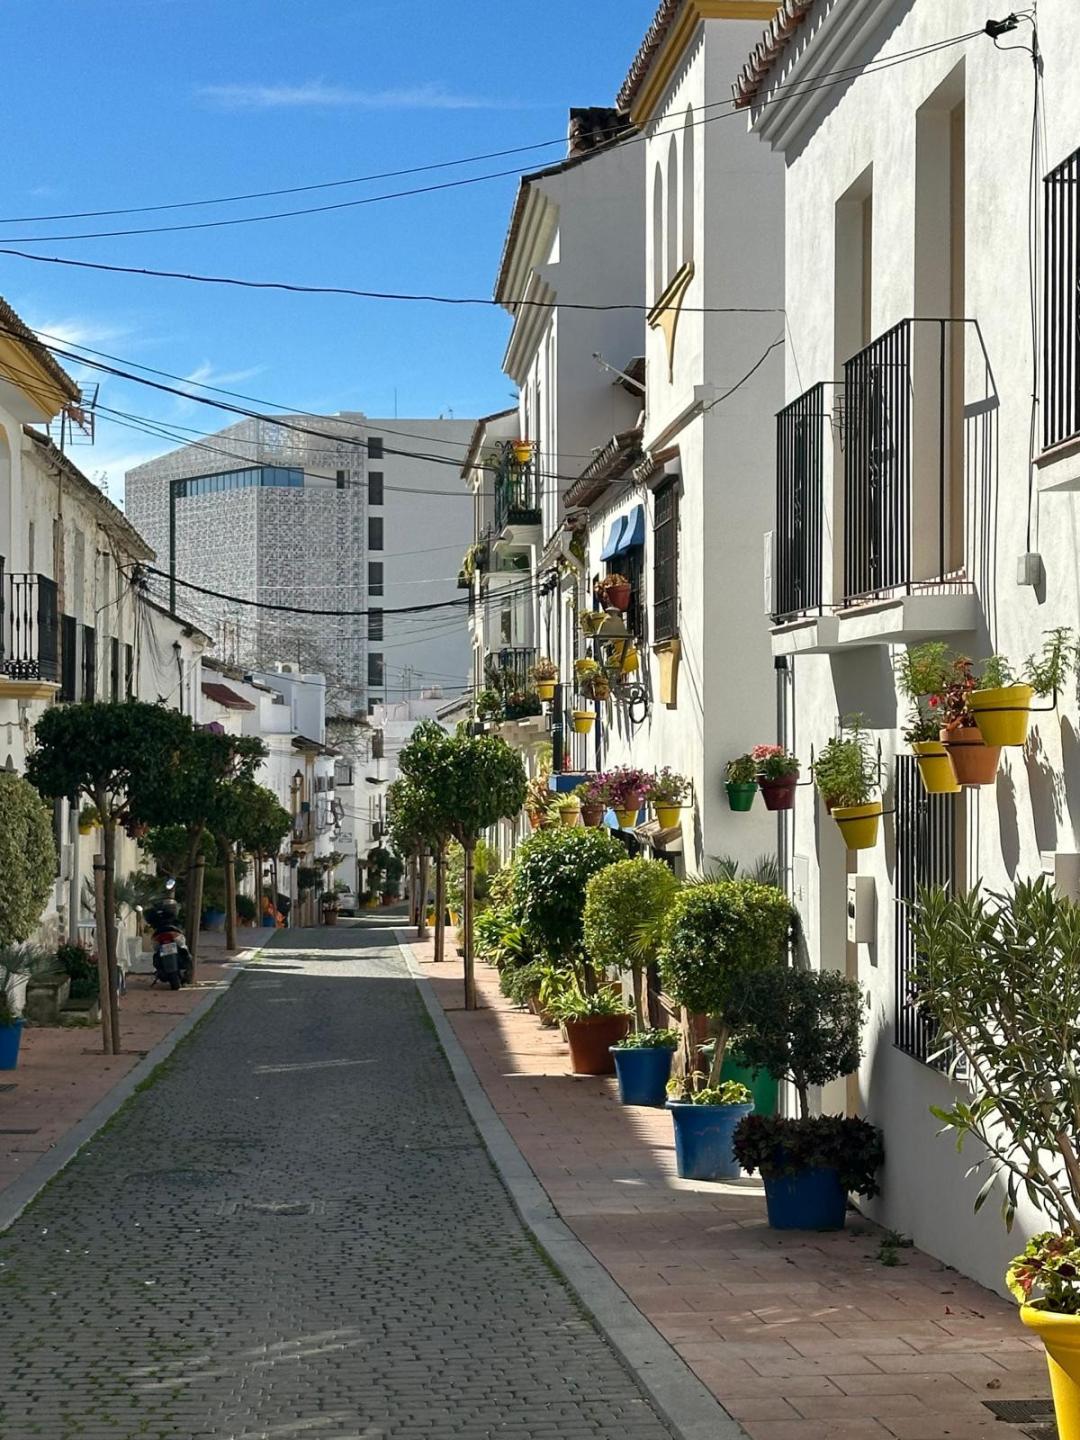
689,1408
15,1198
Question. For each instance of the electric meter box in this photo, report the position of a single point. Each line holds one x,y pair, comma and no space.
861,910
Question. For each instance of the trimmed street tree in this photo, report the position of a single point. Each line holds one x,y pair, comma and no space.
423,811
27,858
113,755
414,830
245,818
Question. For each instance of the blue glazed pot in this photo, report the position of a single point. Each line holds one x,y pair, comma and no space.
10,1036
809,1200
269,922
643,1074
703,1139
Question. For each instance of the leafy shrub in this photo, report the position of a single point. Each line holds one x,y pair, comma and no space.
27,858
777,1147
485,868
552,869
77,962
692,1090
521,983
845,771
573,1003
246,910
650,1040
499,939
1050,1263
625,905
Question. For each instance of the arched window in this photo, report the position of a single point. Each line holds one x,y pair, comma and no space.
658,271
688,184
672,210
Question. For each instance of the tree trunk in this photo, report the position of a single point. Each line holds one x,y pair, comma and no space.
102,955
113,997
193,902
228,859
723,1034
422,886
440,904
196,911
470,969
639,1013
414,905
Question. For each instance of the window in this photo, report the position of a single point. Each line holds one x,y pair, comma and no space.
666,562
69,657
672,242
375,625
926,840
340,477
688,182
375,668
631,563
375,487
289,477
374,447
114,669
375,532
658,234
89,663
375,577
1061,302
129,672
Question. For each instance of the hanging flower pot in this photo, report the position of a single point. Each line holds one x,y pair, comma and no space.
1002,714
859,824
523,451
778,794
627,818
568,814
740,794
974,762
546,689
592,814
629,662
935,768
615,592
582,721
667,816
590,621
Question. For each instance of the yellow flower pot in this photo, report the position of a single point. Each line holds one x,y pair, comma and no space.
627,819
629,662
667,816
546,689
570,815
859,824
1060,1335
935,768
1002,714
523,451
582,721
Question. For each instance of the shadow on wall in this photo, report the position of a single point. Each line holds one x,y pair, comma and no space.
863,683
1047,793
1008,829
1070,774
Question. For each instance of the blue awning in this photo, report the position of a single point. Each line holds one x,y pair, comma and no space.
613,545
634,534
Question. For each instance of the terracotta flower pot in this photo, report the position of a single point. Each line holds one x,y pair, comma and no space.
569,815
592,815
935,768
974,762
778,794
618,596
591,1041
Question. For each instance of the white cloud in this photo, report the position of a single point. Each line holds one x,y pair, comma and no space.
205,374
319,95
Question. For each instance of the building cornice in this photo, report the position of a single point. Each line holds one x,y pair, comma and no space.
666,42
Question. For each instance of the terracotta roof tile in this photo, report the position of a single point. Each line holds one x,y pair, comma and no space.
223,695
768,50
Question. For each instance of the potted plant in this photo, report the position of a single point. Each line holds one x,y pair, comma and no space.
935,768
628,788
329,902
804,1026
569,808
1001,703
922,671
89,819
538,796
643,1066
545,676
520,704
593,794
717,936
846,775
13,963
973,760
591,680
614,591
594,1023
489,705
667,795
581,721
1010,1010
523,451
740,780
777,775
591,621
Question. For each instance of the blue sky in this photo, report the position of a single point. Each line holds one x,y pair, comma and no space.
139,102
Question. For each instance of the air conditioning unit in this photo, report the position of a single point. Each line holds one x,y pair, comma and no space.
768,571
286,667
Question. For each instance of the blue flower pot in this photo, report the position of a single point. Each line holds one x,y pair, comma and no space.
643,1074
10,1036
703,1136
269,922
809,1200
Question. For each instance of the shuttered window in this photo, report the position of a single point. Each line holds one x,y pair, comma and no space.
666,562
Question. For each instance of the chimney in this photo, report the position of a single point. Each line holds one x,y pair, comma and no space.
592,126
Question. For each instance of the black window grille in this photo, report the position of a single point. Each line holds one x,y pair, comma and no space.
925,855
375,487
1061,302
800,463
69,658
375,447
375,577
114,669
129,673
89,662
631,563
375,532
666,562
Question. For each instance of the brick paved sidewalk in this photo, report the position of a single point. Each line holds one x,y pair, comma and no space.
801,1335
62,1073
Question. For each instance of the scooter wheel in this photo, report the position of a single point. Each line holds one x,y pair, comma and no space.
174,982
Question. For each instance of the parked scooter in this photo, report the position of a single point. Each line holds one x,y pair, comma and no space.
172,958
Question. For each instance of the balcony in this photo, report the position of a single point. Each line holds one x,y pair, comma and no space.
29,629
517,491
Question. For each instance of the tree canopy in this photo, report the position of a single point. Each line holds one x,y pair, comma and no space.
551,872
469,781
27,858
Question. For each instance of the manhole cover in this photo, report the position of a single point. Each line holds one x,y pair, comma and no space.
283,1208
1023,1412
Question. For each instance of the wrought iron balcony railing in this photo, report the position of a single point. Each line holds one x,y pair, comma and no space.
29,627
517,489
800,466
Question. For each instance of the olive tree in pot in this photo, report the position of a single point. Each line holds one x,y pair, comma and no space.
804,1026
625,906
1000,974
551,872
718,936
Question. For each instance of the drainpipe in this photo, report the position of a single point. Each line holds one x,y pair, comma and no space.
780,667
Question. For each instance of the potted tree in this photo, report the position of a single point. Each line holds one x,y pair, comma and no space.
545,676
329,902
804,1026
615,591
551,871
625,907
777,775
846,775
667,795
1008,1006
740,780
628,789
717,936
973,760
1001,703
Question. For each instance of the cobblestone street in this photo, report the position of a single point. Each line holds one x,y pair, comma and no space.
294,1231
